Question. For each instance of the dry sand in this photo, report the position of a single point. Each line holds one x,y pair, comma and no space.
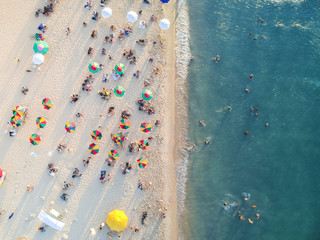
61,75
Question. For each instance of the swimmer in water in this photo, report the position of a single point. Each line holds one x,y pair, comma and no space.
225,204
253,206
239,212
206,142
266,125
242,218
246,199
246,133
247,90
257,215
229,108
202,123
251,75
250,221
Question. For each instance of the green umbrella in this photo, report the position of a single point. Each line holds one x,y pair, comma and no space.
119,91
147,95
119,68
41,47
94,67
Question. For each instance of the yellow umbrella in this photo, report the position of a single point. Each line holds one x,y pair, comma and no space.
117,220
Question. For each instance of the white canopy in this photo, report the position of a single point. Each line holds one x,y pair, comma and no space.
38,58
50,221
164,24
106,12
132,16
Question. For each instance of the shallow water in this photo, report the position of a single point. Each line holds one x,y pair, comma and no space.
277,165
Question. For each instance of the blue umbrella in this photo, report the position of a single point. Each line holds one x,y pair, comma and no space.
164,1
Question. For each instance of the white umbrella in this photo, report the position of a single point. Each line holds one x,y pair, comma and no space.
106,12
132,16
164,24
38,58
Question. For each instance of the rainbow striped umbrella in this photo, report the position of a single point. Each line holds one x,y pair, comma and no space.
94,67
96,135
118,138
142,163
35,139
18,111
119,68
70,127
93,148
41,47
47,103
124,123
41,122
147,95
143,144
16,121
119,91
145,127
113,155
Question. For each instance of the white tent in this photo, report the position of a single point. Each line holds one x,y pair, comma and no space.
106,12
38,58
164,24
132,16
50,221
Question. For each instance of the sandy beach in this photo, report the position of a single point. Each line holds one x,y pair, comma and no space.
59,77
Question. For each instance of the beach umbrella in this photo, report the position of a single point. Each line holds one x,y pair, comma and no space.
19,111
16,121
119,91
47,103
96,135
164,1
38,59
147,95
142,163
124,123
94,67
93,148
117,220
41,47
119,68
1,173
70,127
106,12
164,24
35,139
41,122
132,16
118,138
113,155
143,144
145,127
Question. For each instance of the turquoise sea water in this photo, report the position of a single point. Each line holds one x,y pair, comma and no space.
276,167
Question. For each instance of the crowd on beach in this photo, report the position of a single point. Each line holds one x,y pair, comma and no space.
106,93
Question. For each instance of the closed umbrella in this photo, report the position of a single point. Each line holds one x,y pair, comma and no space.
106,12
41,47
117,220
164,24
94,67
38,59
132,16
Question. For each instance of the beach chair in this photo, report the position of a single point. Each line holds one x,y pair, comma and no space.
55,213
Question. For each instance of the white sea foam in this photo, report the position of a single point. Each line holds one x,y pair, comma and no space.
183,56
